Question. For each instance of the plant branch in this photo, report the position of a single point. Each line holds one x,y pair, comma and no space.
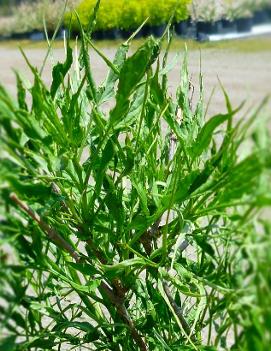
123,313
184,245
117,295
117,284
178,311
52,234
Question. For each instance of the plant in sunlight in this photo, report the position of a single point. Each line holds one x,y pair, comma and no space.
134,227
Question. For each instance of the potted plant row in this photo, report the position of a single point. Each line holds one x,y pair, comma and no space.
209,19
127,16
229,17
120,18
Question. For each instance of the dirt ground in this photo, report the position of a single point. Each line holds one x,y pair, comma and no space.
246,75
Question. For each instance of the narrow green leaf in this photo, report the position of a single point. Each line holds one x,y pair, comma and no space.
202,242
132,72
206,134
84,268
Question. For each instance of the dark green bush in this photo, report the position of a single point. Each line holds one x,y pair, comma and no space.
135,228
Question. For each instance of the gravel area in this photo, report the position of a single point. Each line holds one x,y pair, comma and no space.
246,76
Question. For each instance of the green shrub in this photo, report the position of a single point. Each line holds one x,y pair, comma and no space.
208,11
238,9
6,7
160,12
135,228
129,14
182,10
108,17
260,5
28,16
133,14
7,25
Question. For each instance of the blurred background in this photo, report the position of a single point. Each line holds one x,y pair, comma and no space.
233,38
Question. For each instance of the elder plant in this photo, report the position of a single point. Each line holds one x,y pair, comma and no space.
135,227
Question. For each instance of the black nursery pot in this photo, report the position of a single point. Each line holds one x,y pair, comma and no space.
181,27
210,27
37,36
158,31
126,33
244,24
111,34
186,29
61,34
228,26
260,17
5,37
21,36
98,35
146,31
219,27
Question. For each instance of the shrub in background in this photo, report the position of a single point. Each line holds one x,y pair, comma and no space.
7,25
161,12
108,17
124,14
182,10
133,14
6,7
211,11
238,9
129,14
207,11
259,5
135,228
28,16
